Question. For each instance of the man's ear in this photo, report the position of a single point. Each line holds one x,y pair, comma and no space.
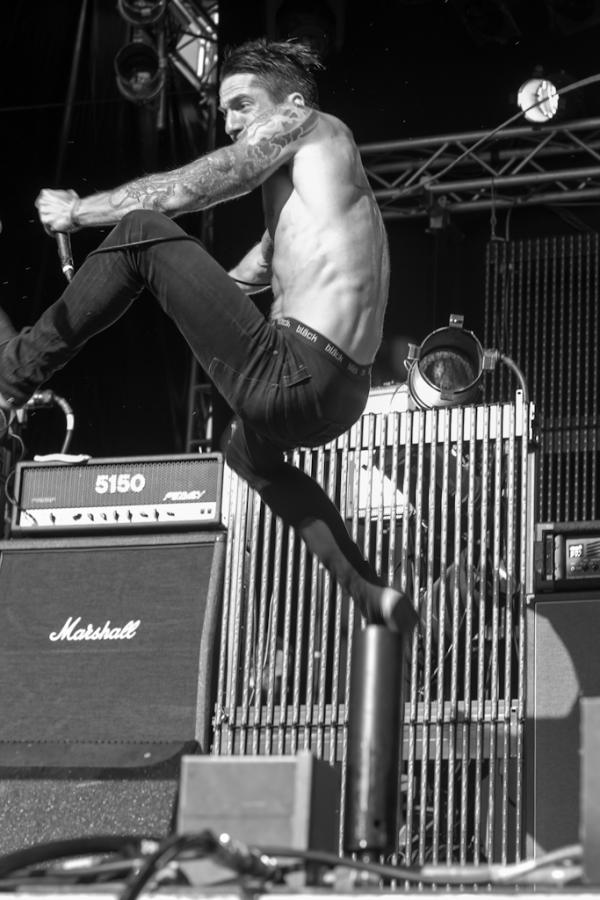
296,98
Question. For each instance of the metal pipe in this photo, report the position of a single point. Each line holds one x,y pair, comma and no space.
496,156
373,769
499,182
460,206
68,111
465,136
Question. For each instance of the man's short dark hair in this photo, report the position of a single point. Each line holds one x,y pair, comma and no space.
283,67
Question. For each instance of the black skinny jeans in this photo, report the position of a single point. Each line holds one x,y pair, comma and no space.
284,392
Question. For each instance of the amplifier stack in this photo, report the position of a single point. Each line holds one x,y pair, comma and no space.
111,586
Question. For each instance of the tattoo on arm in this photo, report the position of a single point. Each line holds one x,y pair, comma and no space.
223,174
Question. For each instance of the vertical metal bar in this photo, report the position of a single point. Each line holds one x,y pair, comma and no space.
510,543
310,648
272,620
489,335
260,724
575,423
545,329
566,508
416,524
457,451
428,693
235,613
522,354
339,459
502,278
551,419
584,376
251,673
481,635
465,835
284,652
221,713
444,449
495,628
535,367
595,342
302,461
555,513
326,582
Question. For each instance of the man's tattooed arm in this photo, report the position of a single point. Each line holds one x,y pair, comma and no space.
221,175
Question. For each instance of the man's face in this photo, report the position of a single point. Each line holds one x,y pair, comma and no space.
242,100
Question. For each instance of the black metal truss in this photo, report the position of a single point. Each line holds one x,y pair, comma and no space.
456,173
195,25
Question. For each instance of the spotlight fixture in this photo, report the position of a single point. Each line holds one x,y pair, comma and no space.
538,99
140,75
446,369
142,12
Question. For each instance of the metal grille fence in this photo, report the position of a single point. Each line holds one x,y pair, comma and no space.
437,501
542,310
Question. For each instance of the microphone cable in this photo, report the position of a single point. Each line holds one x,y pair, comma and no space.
45,399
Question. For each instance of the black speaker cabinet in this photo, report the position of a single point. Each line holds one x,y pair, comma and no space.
562,669
106,667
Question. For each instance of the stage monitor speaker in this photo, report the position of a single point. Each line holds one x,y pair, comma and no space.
283,801
107,655
562,669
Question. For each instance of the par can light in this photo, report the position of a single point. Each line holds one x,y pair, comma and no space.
140,76
446,369
142,12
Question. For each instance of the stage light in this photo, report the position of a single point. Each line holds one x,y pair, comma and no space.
538,98
140,75
446,369
142,12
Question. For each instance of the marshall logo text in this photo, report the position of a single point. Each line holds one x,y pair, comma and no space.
107,632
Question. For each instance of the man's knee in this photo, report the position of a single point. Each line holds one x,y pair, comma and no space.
145,220
254,464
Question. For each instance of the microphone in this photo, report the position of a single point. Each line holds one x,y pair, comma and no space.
63,244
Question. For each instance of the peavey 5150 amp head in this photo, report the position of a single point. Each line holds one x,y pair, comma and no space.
132,494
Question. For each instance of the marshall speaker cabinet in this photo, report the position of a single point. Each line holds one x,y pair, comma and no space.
106,663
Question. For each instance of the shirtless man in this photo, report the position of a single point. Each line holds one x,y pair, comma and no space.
300,378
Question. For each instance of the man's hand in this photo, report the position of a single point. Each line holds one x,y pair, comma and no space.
56,210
